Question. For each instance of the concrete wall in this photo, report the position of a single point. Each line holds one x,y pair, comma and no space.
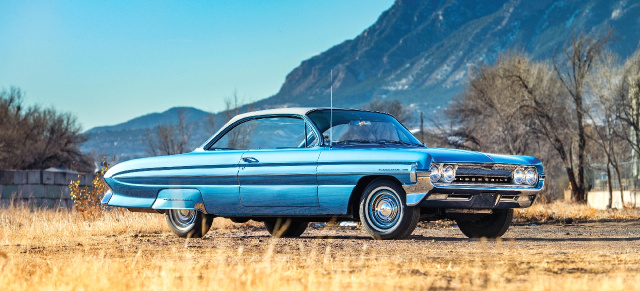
39,188
600,199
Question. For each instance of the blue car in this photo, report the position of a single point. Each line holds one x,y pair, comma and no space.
288,167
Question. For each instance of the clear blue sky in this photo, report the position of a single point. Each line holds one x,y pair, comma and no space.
110,61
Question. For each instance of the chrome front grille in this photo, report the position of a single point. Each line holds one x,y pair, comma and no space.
484,174
479,179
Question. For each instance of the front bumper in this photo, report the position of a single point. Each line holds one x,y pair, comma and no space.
470,196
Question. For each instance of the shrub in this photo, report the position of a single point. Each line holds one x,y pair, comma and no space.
87,198
32,137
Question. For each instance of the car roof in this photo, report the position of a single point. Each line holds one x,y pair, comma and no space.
288,110
279,111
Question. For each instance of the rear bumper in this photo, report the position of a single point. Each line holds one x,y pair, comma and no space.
176,198
472,196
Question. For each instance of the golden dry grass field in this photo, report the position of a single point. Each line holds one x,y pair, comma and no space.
61,250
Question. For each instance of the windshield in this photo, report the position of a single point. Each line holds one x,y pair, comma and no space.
361,127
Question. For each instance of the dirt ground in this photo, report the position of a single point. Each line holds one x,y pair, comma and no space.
443,238
576,256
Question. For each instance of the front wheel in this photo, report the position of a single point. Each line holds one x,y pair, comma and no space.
490,226
188,223
384,213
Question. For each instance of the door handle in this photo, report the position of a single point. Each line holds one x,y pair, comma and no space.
250,160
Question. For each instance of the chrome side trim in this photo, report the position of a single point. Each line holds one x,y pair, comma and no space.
262,175
363,173
469,211
417,191
174,177
179,199
413,173
107,197
144,210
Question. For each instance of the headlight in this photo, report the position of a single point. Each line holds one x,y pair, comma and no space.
530,176
435,173
448,173
518,176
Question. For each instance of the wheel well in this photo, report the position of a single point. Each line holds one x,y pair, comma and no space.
354,200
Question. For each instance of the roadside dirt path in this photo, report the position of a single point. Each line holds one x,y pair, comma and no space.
595,256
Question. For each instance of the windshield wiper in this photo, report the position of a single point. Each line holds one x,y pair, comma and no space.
385,142
352,141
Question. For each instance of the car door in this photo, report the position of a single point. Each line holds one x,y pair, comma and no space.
279,168
218,181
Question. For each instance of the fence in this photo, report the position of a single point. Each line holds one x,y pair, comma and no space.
600,199
39,188
597,177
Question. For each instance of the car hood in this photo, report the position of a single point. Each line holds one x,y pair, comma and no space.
441,155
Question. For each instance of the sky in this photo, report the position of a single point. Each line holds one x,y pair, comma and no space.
110,61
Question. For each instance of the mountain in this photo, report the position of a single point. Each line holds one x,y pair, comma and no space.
418,52
421,52
153,119
125,140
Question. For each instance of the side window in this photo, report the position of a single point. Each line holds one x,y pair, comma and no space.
266,133
311,140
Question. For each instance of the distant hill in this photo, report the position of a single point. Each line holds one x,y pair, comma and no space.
125,140
152,119
418,52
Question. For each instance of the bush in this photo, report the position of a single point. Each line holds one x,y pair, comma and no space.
87,198
38,138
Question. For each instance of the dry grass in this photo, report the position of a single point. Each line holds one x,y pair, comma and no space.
44,250
564,211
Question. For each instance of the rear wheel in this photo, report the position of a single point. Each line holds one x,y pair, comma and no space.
384,213
281,227
188,223
490,226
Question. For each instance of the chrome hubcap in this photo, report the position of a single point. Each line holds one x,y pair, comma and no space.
384,209
182,218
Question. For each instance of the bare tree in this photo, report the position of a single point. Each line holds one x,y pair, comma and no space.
573,68
629,103
489,114
169,139
393,107
628,108
37,138
515,106
605,87
233,107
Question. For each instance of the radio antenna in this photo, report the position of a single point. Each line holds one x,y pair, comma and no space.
331,115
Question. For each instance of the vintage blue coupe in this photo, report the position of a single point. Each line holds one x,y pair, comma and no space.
287,167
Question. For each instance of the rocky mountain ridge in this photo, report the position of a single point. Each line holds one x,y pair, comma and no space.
418,52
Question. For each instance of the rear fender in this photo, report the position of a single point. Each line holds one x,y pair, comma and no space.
179,199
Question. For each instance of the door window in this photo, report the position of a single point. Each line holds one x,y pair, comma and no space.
267,133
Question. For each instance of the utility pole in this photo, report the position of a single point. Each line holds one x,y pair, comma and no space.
421,127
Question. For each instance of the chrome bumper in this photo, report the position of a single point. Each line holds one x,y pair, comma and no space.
426,194
106,197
